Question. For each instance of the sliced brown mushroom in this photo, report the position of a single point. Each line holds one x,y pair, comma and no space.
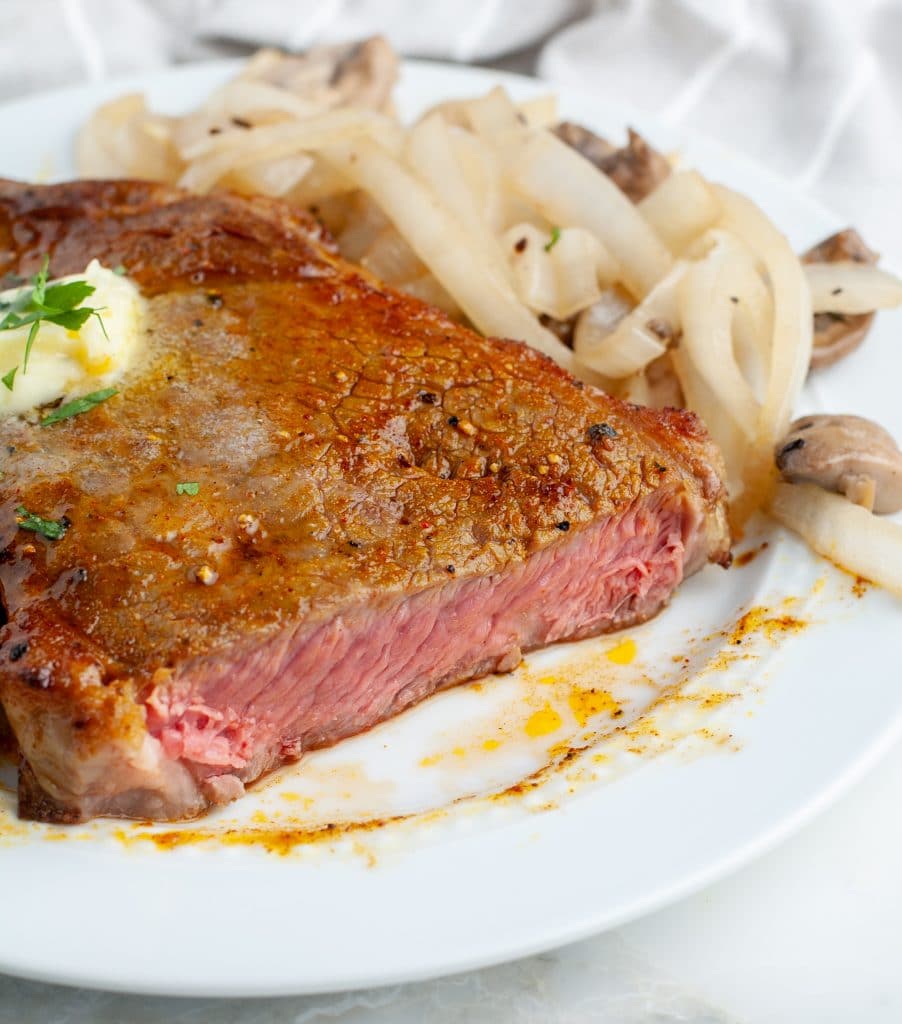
360,74
847,454
636,168
562,328
838,334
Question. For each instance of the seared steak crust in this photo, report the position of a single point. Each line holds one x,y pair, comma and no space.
354,448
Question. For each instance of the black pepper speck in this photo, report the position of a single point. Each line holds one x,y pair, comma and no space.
18,650
600,430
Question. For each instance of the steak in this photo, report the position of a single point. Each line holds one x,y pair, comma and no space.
388,504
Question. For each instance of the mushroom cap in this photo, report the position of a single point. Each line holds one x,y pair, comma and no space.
837,334
636,168
361,74
848,454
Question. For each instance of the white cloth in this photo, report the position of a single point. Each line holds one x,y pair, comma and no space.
811,88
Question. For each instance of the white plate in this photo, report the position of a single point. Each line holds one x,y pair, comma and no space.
680,794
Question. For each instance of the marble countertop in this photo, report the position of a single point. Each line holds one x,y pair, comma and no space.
809,934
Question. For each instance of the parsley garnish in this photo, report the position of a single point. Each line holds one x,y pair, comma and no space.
59,304
187,487
77,406
52,529
8,378
555,238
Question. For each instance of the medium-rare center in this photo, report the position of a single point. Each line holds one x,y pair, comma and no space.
312,503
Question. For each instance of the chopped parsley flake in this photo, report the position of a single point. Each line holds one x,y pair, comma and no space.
8,378
555,238
187,487
59,304
52,529
78,406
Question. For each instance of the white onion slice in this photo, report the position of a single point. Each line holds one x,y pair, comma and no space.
847,534
463,269
537,165
680,209
852,288
637,338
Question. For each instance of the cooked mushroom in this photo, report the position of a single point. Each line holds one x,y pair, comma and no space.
837,334
636,168
357,74
847,454
562,328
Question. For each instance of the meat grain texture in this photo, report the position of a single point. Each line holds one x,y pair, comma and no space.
388,504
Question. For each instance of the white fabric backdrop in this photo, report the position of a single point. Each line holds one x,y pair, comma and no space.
812,88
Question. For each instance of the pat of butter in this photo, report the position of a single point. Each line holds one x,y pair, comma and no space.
64,364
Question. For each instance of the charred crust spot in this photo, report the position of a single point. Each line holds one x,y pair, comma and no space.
450,569
600,431
65,522
404,462
734,299
659,468
198,323
453,421
239,122
215,300
428,397
521,244
18,650
10,449
354,543
563,525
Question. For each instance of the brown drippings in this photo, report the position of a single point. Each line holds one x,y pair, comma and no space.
747,557
762,621
281,841
645,736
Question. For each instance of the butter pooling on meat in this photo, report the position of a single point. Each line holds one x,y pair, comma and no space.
65,363
382,504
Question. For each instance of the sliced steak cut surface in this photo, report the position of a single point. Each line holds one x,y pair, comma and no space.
388,504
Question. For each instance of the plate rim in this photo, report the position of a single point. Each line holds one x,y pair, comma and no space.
564,933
